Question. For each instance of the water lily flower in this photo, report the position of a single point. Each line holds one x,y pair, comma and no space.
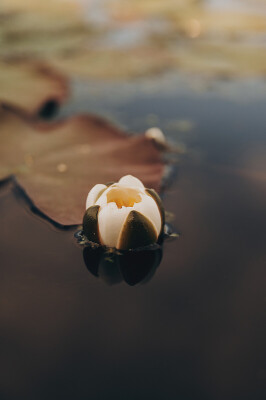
124,215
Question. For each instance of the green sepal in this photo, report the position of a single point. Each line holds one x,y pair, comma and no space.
159,203
137,231
90,224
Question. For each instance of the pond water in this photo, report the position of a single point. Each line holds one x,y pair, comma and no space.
197,329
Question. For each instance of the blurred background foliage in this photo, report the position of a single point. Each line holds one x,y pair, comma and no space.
118,39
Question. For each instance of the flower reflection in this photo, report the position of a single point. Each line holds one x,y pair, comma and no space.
132,266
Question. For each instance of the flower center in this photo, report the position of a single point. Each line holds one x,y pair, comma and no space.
123,197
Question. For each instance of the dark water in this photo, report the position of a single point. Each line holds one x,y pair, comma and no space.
197,329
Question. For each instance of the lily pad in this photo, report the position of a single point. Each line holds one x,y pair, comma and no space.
31,88
58,163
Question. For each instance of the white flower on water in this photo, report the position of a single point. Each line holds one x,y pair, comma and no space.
124,215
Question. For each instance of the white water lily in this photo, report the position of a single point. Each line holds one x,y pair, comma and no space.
124,215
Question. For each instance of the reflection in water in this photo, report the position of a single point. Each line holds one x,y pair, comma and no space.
131,266
197,330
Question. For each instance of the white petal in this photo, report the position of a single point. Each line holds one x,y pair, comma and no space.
93,194
130,181
157,135
149,209
102,200
110,222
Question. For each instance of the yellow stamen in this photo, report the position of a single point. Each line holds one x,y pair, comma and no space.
126,197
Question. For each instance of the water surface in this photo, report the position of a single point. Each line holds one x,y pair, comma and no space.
197,329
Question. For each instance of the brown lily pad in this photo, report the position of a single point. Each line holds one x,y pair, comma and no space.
57,164
31,88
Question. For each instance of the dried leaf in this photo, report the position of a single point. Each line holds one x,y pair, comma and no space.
31,87
57,164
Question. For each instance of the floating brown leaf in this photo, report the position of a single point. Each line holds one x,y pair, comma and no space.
30,87
57,164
